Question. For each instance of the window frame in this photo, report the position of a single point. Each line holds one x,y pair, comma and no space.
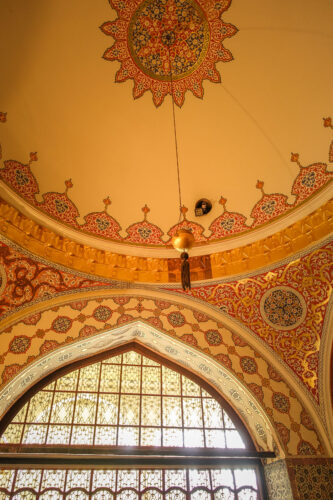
80,456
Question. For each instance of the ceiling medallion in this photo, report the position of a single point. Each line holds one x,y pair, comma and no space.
283,308
156,37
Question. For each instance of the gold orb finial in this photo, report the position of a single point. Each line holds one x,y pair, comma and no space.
183,240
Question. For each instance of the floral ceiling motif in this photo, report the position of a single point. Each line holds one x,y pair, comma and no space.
168,46
59,206
285,307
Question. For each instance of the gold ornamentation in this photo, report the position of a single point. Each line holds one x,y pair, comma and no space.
48,244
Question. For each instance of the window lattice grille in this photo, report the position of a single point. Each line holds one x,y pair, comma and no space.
126,400
180,484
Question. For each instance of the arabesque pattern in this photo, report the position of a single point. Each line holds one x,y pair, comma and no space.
169,46
189,326
20,178
27,280
295,338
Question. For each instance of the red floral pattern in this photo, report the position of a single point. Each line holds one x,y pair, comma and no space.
310,180
269,207
20,178
231,353
154,40
311,276
59,206
102,224
29,280
143,232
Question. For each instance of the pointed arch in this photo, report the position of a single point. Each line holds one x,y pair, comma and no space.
219,339
185,356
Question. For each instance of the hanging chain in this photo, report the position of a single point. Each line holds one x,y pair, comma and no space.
176,140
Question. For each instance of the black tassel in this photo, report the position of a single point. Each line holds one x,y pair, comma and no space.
185,271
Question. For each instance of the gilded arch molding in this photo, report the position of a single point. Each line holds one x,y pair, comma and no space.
242,256
39,331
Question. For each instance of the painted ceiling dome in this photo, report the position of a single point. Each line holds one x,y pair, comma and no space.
87,131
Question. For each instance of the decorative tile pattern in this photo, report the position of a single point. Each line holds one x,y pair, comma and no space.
64,324
293,334
167,47
277,481
311,479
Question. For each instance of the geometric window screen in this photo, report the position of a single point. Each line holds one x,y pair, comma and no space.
124,484
127,400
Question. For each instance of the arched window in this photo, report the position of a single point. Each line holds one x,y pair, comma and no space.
127,425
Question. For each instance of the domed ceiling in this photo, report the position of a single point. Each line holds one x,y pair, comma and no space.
87,130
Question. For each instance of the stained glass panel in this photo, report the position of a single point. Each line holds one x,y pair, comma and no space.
190,388
193,438
132,358
192,412
58,434
171,382
151,380
126,400
172,437
68,382
107,409
151,410
62,408
85,408
39,407
89,377
129,410
82,434
110,379
34,434
150,436
131,379
128,436
172,412
20,416
106,436
12,434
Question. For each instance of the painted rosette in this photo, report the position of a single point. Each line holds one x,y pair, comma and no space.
283,308
168,46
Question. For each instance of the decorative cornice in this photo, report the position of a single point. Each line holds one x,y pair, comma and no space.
64,251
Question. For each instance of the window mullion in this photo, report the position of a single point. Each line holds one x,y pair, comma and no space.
140,403
119,396
74,408
181,407
49,419
97,402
